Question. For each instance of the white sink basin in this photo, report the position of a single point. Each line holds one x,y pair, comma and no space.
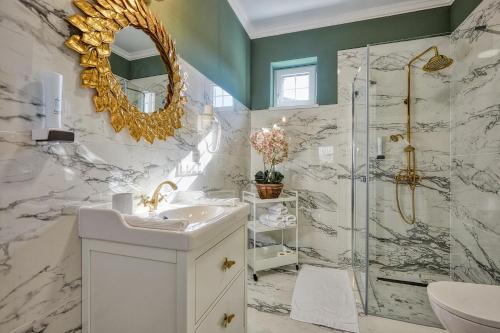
199,224
192,214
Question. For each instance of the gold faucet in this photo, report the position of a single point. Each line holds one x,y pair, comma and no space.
157,197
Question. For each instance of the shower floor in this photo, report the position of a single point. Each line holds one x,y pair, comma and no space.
269,306
401,301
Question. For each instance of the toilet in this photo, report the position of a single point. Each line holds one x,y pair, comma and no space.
466,307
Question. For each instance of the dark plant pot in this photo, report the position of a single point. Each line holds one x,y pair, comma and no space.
269,191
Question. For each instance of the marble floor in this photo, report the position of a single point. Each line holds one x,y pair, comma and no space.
401,302
269,309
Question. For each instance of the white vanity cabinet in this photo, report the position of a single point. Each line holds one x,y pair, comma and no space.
135,288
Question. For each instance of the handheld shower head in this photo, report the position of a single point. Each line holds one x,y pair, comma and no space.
437,63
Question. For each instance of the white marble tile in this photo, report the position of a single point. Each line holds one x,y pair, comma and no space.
38,181
351,64
475,85
372,324
41,271
475,254
269,306
475,144
317,142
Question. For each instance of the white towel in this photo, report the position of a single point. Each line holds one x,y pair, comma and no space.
276,223
156,223
278,209
324,296
290,220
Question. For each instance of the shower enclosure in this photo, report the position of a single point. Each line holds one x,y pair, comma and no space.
453,149
400,178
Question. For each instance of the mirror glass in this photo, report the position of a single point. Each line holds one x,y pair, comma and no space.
136,63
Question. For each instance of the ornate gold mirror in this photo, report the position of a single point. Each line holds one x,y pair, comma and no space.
115,34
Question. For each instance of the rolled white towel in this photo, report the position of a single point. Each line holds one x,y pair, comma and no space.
290,220
275,217
278,209
264,219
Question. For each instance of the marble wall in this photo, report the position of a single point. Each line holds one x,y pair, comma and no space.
318,168
40,279
475,148
456,135
418,252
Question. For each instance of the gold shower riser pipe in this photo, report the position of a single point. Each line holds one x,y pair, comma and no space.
409,175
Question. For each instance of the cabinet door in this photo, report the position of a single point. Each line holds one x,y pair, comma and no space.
131,294
212,275
228,315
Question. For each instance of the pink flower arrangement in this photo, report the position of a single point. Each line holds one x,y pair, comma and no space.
272,145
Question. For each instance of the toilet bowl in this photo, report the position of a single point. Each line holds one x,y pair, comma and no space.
466,307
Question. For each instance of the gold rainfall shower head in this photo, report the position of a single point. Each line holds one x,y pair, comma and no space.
437,63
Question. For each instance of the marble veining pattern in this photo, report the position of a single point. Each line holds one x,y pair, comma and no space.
475,147
39,182
269,309
39,246
318,139
419,252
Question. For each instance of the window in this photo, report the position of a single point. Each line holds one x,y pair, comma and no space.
295,86
148,102
222,98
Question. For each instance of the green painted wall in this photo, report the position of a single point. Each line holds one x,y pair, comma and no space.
120,66
210,37
137,69
146,67
459,11
325,42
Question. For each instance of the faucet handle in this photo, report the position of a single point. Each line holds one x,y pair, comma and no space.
145,201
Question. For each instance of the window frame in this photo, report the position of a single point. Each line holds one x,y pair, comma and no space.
280,73
224,94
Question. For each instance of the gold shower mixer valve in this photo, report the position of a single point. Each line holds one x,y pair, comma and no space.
409,177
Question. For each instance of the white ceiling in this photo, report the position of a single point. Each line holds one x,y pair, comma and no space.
262,18
131,44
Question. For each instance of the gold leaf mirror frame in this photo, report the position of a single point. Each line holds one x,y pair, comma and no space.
102,19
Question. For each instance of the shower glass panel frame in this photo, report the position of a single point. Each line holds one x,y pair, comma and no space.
360,183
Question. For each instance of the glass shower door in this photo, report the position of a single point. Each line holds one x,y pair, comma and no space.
359,175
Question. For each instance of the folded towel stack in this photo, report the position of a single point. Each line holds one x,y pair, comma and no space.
278,209
277,216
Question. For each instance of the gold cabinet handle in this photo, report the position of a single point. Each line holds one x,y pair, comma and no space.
228,264
228,319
